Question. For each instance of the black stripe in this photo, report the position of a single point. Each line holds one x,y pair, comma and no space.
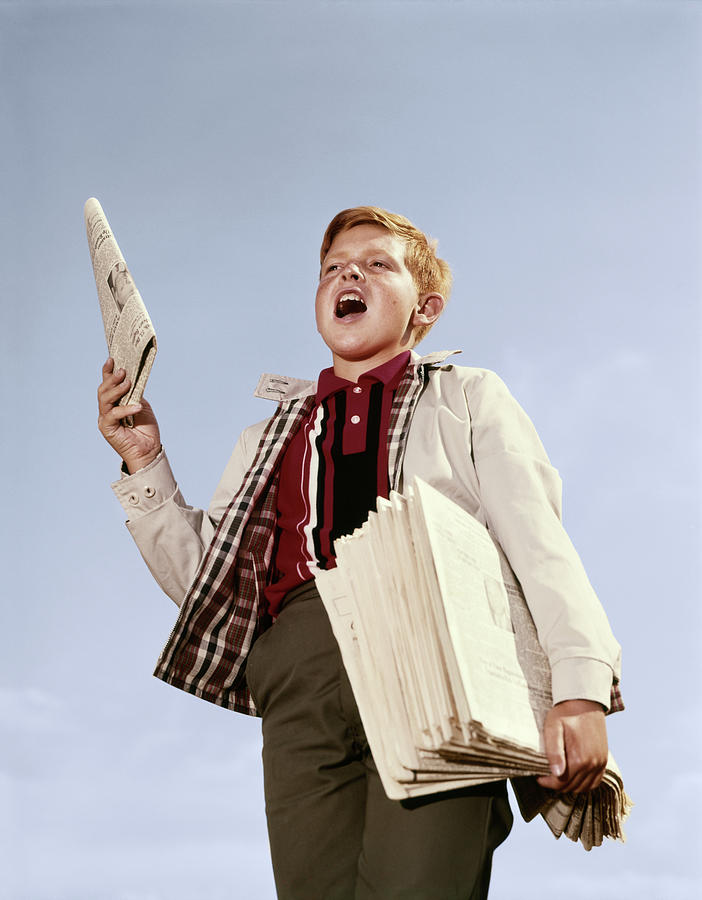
356,474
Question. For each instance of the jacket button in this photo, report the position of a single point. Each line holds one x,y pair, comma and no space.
355,419
133,499
149,492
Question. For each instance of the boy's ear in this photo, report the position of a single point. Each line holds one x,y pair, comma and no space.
428,309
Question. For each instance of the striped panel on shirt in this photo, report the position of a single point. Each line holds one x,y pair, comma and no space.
334,470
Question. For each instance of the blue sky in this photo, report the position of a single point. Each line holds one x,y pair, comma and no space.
554,149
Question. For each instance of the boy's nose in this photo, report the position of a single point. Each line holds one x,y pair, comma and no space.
351,270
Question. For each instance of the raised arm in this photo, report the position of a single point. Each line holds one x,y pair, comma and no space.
172,536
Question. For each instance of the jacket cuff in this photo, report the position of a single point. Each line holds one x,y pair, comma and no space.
146,489
581,678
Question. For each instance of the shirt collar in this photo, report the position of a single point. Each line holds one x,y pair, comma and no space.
389,373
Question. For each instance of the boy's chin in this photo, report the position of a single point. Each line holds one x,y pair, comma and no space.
353,340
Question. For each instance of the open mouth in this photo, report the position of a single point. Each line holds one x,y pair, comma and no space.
348,304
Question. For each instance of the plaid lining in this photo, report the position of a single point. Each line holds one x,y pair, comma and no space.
616,704
403,405
225,610
222,613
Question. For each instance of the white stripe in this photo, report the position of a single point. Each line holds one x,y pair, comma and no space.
310,465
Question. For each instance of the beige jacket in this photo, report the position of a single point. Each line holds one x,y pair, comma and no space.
471,440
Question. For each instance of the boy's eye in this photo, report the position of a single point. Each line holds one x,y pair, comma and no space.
332,267
378,263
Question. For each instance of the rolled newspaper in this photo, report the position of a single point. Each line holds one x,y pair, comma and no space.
130,335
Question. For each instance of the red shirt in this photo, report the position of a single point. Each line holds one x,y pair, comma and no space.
332,472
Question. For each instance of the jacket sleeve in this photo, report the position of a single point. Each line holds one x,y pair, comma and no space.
172,536
521,497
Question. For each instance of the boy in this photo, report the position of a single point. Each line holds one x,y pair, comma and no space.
252,634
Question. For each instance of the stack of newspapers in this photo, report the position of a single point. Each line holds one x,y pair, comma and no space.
442,654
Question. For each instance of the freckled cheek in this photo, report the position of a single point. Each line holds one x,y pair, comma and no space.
318,304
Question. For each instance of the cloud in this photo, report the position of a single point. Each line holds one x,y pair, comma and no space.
162,803
30,710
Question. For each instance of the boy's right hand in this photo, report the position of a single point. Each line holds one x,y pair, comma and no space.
138,446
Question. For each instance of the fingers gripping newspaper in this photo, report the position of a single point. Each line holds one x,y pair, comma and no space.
131,339
450,679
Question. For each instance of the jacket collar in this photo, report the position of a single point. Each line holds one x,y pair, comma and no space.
283,387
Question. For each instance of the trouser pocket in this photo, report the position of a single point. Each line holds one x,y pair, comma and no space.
252,671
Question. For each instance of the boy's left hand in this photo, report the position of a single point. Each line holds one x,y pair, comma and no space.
575,738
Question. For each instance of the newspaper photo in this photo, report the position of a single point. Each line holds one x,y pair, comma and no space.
131,339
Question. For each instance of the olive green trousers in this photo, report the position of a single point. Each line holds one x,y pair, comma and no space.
333,832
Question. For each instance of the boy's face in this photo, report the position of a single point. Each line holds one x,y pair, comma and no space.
367,304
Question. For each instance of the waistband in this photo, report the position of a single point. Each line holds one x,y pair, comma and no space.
305,591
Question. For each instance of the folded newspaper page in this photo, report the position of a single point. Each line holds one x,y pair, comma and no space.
450,680
131,339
